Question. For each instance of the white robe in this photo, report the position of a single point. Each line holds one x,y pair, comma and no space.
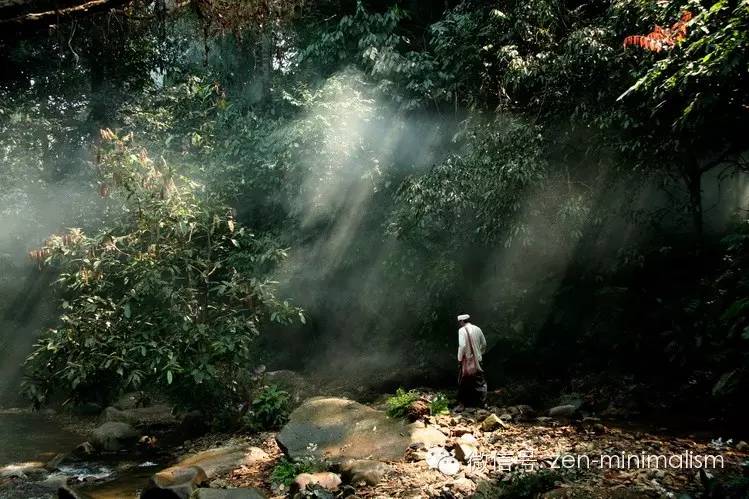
477,341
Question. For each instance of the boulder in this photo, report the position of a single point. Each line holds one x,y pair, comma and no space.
563,411
356,471
175,482
338,429
244,493
742,446
223,459
114,436
325,479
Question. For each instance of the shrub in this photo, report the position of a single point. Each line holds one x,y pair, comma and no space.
168,296
286,470
397,405
269,410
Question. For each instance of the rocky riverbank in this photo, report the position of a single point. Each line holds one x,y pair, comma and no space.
334,447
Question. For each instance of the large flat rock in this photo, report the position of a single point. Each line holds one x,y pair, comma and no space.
337,429
220,460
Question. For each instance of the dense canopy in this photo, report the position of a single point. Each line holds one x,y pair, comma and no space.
215,185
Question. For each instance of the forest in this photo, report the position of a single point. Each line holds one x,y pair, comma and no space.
226,224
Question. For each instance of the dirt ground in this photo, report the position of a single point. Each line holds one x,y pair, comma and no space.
528,456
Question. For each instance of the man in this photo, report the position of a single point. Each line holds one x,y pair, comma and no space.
471,381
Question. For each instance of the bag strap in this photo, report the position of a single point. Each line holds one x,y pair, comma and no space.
470,343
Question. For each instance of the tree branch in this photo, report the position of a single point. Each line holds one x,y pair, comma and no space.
51,16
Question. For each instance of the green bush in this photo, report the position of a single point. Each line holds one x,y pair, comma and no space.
269,410
168,296
286,470
397,405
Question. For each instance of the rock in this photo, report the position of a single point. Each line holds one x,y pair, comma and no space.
83,450
223,459
464,452
563,411
417,410
114,436
248,493
325,479
429,436
54,463
742,446
21,489
544,419
505,417
522,412
463,486
491,423
177,482
339,429
468,438
356,471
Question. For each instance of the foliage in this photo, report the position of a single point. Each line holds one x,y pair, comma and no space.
397,405
414,157
169,297
269,410
439,404
286,470
507,153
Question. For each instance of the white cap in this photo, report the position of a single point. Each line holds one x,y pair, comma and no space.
464,317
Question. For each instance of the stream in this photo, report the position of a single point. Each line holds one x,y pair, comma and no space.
31,439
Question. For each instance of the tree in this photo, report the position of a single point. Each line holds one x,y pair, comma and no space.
167,296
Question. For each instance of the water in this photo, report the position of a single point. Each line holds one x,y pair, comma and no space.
28,436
